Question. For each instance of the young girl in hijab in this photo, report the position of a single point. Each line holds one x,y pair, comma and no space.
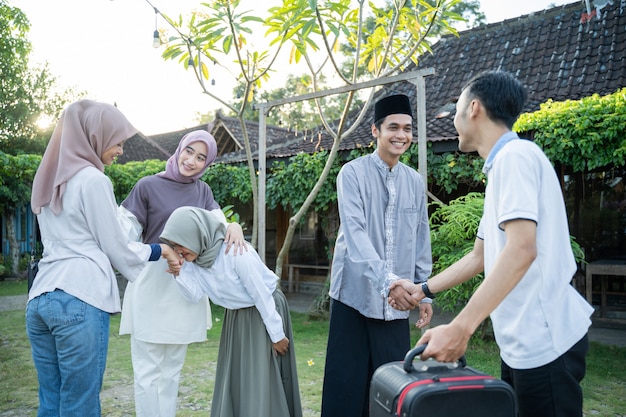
256,366
160,321
75,291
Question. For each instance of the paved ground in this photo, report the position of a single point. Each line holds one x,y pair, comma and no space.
301,302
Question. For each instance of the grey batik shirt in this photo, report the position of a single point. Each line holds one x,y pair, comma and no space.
383,236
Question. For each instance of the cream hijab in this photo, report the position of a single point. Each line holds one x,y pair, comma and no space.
199,230
85,130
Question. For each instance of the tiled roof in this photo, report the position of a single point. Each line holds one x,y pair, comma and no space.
559,53
279,141
161,146
140,148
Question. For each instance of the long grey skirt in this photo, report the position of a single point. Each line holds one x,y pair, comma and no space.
250,380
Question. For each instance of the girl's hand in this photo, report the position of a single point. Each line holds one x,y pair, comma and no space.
234,237
281,347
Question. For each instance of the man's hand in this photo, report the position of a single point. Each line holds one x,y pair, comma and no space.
400,295
446,343
426,315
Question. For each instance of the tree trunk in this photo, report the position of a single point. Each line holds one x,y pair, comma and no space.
14,245
293,222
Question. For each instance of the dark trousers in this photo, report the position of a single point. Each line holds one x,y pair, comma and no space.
551,390
357,346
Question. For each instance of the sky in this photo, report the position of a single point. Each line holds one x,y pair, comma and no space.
104,47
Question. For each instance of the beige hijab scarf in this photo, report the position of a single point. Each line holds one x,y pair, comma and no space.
85,130
198,230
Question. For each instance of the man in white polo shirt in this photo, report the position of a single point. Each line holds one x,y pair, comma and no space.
523,245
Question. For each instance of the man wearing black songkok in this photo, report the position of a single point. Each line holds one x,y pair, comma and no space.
383,237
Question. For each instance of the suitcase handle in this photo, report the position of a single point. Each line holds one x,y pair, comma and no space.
417,350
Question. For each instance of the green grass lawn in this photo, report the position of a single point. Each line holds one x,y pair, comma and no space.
13,287
604,386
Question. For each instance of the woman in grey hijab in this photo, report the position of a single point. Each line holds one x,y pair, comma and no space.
256,366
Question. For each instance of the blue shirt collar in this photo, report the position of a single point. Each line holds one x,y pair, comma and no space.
504,139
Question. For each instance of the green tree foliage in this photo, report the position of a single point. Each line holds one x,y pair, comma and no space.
584,134
466,15
453,230
16,179
449,170
229,183
470,13
218,33
124,177
25,94
289,184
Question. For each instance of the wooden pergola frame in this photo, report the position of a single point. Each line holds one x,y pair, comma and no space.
415,77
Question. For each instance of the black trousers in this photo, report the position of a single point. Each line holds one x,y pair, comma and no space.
357,346
551,390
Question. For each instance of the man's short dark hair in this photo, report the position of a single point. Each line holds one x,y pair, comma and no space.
502,95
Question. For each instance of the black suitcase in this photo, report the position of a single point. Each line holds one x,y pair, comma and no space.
431,388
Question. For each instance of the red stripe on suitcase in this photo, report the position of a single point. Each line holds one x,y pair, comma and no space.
412,385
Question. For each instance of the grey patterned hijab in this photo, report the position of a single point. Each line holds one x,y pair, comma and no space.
198,230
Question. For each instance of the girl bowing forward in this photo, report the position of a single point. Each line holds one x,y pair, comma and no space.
256,367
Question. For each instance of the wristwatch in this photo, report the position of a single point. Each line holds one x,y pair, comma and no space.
426,291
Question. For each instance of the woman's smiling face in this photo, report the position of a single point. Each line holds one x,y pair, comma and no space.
110,155
192,159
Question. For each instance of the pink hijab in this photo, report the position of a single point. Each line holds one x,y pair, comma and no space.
85,130
172,171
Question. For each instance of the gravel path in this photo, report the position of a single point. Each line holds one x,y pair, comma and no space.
13,302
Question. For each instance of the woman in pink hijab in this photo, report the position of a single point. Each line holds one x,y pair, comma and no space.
160,321
75,291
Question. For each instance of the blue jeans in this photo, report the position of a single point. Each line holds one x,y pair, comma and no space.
69,340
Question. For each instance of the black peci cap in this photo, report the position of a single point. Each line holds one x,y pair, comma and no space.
396,104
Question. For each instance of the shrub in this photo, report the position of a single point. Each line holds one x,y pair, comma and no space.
453,230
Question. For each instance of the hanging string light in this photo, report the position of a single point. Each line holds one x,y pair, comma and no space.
156,37
192,61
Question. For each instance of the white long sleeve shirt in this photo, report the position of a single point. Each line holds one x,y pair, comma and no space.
234,282
84,242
